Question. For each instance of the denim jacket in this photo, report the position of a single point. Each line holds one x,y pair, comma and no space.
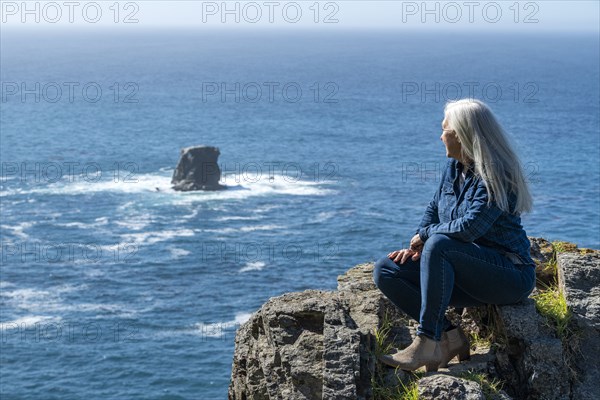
463,214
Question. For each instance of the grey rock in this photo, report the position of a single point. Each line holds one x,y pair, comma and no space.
341,356
313,344
445,387
531,360
367,305
579,279
481,361
297,346
320,344
197,169
501,395
393,378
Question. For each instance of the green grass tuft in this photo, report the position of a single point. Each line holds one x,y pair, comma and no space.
551,304
563,247
550,301
490,388
478,342
382,344
409,391
401,391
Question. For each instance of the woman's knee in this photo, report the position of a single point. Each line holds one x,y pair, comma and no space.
382,270
437,242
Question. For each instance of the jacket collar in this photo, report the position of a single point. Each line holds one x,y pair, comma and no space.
458,167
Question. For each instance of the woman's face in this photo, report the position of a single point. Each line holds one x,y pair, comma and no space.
450,139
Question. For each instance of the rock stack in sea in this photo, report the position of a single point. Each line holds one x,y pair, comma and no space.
197,169
320,344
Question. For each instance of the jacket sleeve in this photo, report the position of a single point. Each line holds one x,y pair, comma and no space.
431,212
477,220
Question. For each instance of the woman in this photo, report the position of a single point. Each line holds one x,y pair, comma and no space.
470,248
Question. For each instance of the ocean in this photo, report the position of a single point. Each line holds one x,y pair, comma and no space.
114,286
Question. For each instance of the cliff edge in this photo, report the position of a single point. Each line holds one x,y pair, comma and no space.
323,344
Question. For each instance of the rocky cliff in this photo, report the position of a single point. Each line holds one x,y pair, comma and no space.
323,344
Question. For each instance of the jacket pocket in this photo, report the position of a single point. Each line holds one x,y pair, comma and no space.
465,204
446,202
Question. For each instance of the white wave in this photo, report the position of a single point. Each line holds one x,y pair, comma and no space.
177,253
109,248
139,183
253,266
6,203
93,272
28,293
114,309
126,205
143,238
18,230
261,228
136,222
217,329
29,321
80,225
241,318
86,254
267,208
237,218
50,301
192,215
251,228
35,300
161,185
324,216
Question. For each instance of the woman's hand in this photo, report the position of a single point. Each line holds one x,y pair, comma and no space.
416,244
402,255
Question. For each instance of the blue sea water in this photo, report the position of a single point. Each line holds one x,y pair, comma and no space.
113,289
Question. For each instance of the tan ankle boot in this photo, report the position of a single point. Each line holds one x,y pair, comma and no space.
454,342
422,351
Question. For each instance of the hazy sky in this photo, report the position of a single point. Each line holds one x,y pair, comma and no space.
547,15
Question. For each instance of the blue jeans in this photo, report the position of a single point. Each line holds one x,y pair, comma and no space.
455,273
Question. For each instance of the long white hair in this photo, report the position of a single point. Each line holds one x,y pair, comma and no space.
484,141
